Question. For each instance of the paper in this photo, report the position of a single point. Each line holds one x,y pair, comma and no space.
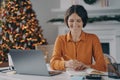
79,73
84,72
77,78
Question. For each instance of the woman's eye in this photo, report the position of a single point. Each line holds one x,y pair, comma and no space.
79,20
71,20
75,20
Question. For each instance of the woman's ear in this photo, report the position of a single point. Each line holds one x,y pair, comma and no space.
65,21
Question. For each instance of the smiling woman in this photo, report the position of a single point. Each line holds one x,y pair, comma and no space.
79,46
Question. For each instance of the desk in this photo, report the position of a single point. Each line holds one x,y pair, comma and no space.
63,76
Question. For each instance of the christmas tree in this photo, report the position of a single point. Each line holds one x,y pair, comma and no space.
20,28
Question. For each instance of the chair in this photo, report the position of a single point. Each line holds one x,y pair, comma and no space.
113,67
47,50
109,59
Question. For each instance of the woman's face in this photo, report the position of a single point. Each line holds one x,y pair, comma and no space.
75,23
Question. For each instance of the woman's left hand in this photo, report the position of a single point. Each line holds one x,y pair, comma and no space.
81,66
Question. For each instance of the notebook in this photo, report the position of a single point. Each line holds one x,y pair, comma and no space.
30,62
85,72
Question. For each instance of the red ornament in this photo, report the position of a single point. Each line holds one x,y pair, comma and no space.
21,10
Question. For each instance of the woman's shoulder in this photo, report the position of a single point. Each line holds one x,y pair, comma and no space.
63,36
91,35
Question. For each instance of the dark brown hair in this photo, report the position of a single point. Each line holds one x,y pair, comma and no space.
79,10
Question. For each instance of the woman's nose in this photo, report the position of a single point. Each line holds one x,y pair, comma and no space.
74,23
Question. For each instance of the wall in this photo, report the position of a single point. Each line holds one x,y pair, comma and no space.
44,13
43,9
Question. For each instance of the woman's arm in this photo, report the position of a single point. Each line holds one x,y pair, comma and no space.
57,62
98,55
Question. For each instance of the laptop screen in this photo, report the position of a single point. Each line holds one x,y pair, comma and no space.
29,62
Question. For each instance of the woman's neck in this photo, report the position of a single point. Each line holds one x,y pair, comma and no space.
76,36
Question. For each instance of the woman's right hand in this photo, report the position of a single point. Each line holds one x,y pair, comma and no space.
75,65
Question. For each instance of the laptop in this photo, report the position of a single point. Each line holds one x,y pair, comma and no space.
30,62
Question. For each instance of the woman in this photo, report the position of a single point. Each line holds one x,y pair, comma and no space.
76,49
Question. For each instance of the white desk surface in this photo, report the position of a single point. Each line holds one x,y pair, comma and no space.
63,76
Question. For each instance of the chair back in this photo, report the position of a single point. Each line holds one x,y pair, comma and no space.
47,50
113,67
